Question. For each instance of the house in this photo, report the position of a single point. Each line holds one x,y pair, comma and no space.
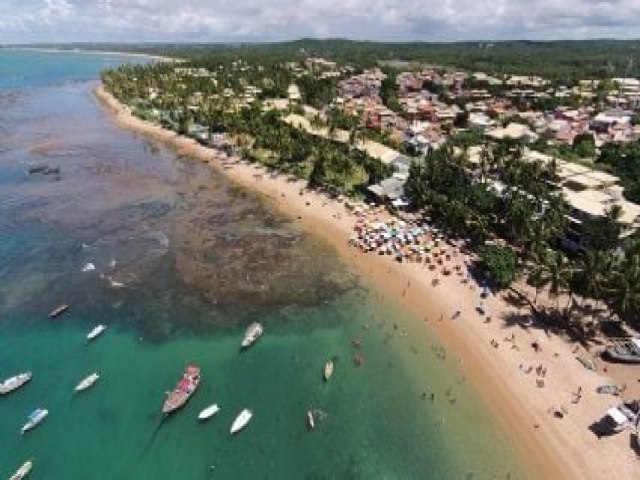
293,93
513,131
481,122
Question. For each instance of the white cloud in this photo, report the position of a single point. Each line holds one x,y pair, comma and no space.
223,20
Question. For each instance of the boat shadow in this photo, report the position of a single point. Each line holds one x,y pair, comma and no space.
154,435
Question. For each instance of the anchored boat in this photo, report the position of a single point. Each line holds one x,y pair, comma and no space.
59,310
15,382
34,419
87,382
208,412
98,330
310,420
23,471
241,421
253,333
183,391
328,370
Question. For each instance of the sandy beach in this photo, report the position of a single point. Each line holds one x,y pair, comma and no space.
78,51
544,398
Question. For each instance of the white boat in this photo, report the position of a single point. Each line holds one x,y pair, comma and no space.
98,330
208,412
310,420
253,333
328,370
241,421
87,382
15,382
37,416
23,471
88,267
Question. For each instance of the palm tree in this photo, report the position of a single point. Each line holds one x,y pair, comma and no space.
593,271
626,288
553,269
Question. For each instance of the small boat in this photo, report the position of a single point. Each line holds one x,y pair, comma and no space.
627,350
185,388
87,382
59,310
587,363
253,333
621,417
241,421
610,389
89,267
37,416
15,382
328,370
98,330
310,421
23,471
208,412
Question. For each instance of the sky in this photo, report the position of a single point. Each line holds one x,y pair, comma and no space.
27,21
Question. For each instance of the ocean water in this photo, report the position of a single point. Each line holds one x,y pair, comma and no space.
196,259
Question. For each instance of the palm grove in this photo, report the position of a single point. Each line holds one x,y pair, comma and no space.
514,215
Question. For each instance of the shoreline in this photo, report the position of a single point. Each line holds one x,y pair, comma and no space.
549,447
158,58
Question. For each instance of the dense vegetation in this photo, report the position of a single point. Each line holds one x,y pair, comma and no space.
527,212
261,134
561,60
624,161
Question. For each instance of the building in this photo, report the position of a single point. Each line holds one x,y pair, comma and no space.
513,131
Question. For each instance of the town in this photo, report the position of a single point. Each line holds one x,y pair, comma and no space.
546,167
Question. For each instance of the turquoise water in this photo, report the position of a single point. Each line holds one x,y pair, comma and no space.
199,259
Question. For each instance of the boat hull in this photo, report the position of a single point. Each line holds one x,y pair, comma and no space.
207,413
241,421
185,389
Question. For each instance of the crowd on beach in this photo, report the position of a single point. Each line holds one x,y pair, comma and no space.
406,241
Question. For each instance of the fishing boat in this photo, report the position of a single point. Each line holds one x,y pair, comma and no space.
241,421
34,419
59,310
253,333
208,412
183,391
23,471
328,370
98,330
310,421
627,351
621,417
15,382
87,382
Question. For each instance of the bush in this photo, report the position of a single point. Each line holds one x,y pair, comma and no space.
499,264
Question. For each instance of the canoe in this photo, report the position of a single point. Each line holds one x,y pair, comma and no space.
208,412
241,421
